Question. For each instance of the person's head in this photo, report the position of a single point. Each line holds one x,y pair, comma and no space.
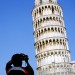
16,60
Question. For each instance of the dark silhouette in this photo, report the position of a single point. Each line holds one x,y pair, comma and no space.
14,66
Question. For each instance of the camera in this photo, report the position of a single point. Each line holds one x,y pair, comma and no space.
24,57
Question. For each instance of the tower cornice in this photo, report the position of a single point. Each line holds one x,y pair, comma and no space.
52,38
45,5
53,51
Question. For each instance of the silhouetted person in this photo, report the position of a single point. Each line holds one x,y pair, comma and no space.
14,66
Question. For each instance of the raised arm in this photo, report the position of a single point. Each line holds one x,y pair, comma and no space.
8,66
28,67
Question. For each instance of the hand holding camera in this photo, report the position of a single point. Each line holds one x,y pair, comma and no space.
24,57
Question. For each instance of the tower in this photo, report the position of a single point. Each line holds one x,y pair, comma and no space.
51,43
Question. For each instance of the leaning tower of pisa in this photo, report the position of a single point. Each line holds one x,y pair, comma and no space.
51,43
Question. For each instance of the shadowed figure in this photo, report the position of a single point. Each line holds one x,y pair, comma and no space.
14,66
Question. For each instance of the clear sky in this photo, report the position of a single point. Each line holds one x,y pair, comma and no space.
16,29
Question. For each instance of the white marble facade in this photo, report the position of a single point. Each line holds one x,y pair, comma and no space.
51,43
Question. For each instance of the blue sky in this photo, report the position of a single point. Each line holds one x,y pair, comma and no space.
16,29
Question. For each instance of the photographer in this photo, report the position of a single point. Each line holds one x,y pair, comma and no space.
14,66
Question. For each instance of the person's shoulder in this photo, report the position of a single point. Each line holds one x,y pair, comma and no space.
25,70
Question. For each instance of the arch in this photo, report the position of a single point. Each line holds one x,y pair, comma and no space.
45,7
50,18
37,35
37,47
51,53
41,55
46,41
48,6
50,41
60,41
62,52
52,29
55,52
54,18
41,31
52,10
47,19
36,25
58,66
55,7
55,29
57,41
43,19
43,42
63,41
35,14
37,11
47,53
49,66
54,41
44,54
48,29
40,20
58,29
59,52
62,30
57,18
40,43
40,10
45,30
58,9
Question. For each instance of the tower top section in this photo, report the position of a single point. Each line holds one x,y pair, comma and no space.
39,2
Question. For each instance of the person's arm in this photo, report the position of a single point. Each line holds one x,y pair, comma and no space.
30,69
8,66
